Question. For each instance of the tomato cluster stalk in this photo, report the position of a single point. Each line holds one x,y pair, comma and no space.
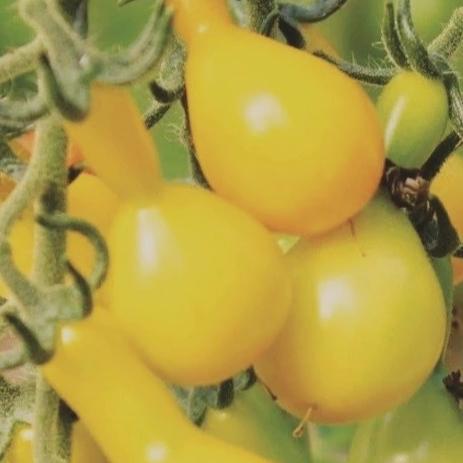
77,92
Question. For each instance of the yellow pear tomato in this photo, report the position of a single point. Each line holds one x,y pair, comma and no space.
200,286
281,133
130,413
367,323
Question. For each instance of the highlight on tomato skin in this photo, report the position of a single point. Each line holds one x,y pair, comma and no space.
288,152
349,349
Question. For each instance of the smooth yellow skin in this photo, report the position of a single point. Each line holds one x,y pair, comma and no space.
201,287
89,199
83,450
279,132
367,324
116,144
448,187
129,411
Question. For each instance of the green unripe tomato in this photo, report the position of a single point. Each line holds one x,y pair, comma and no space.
427,429
414,112
256,423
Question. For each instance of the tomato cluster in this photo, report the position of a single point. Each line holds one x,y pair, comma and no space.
343,323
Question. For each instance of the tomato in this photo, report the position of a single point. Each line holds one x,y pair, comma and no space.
84,449
115,143
188,269
427,429
89,199
23,146
129,411
254,422
273,139
191,271
448,187
410,137
367,323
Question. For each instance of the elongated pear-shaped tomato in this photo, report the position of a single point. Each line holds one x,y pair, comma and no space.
128,411
281,133
200,286
367,324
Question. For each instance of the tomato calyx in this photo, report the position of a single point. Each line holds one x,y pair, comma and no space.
195,401
288,17
315,12
409,189
454,384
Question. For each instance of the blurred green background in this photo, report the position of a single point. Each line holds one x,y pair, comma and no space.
355,34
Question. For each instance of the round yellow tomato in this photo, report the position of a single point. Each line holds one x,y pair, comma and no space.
289,137
448,187
200,287
83,450
367,323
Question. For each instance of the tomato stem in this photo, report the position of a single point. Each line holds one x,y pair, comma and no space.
449,40
140,59
367,75
196,170
414,49
13,358
255,12
437,159
391,39
21,60
315,12
48,270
